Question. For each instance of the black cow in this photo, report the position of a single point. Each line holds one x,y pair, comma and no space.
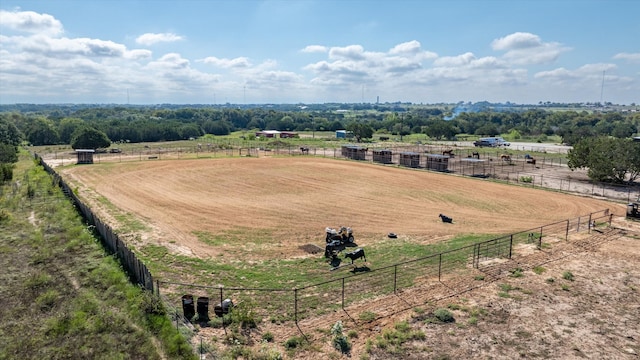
356,254
446,219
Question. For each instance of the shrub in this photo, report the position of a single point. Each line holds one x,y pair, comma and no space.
244,315
567,275
340,342
367,316
516,273
443,315
539,270
293,342
268,337
526,179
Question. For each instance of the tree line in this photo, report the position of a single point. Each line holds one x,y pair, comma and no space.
101,125
151,124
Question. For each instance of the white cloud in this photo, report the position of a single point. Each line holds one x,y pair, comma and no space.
171,61
239,62
154,38
351,52
459,60
631,57
411,47
516,41
31,22
314,49
526,48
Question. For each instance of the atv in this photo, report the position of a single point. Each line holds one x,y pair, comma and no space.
344,235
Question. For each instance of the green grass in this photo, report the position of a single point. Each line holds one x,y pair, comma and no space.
62,296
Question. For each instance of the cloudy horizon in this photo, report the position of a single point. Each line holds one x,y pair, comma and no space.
307,52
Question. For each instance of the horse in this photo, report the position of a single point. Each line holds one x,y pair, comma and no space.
304,150
505,157
446,219
448,152
476,155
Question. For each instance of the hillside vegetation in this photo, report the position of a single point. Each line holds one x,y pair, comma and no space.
62,296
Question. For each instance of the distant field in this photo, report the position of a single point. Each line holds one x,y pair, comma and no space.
250,210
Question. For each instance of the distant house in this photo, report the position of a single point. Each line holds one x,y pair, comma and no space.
636,138
276,134
289,134
268,133
343,134
85,156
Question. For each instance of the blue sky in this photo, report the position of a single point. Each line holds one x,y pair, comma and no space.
250,51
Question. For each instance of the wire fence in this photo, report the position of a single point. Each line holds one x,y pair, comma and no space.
412,283
136,269
548,171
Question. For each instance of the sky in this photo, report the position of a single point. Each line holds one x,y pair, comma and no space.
320,51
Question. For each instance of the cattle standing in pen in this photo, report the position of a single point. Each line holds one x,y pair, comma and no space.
356,254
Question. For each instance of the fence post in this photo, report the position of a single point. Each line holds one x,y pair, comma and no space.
439,266
589,225
342,293
395,278
222,309
295,305
566,234
510,245
540,239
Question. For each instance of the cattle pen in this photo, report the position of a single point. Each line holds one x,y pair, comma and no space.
416,282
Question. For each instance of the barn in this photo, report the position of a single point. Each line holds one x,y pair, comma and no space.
382,156
410,159
289,134
268,133
437,162
85,156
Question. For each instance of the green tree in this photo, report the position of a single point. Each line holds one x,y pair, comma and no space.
89,138
42,132
9,133
439,129
623,130
360,130
606,158
67,127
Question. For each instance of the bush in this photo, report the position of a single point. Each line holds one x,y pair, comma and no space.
526,179
244,315
367,316
340,342
444,315
293,342
268,337
567,275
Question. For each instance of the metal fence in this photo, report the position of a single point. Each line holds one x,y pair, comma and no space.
136,269
412,283
488,163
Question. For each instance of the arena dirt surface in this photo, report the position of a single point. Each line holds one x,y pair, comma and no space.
287,202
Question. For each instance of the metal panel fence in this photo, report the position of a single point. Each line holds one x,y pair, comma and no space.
136,269
439,274
488,163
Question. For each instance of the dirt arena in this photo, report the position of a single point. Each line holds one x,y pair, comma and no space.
267,207
258,204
